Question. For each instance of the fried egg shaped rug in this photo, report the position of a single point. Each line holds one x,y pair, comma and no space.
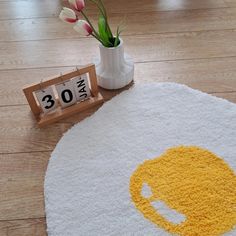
158,159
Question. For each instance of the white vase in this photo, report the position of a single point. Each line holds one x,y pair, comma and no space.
114,68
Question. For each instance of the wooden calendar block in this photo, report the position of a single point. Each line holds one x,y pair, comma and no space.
46,99
77,87
66,93
81,87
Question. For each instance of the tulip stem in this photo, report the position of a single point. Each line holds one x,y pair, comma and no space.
105,13
97,38
87,19
101,9
95,34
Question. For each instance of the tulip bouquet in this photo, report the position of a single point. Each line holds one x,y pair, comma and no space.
84,26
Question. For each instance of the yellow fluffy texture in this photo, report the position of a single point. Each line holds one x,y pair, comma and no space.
194,182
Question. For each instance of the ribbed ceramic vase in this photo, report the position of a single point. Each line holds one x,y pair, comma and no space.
114,68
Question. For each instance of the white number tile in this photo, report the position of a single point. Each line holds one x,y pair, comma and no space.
46,99
66,93
81,87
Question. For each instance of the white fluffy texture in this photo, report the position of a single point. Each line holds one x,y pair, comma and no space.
87,181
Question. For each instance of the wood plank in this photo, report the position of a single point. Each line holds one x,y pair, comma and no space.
162,5
214,75
29,9
21,185
230,3
28,227
19,132
169,46
228,96
134,23
19,9
124,6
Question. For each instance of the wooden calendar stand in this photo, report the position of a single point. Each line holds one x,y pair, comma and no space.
60,113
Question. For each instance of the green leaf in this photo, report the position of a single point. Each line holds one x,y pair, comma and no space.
102,29
104,13
117,40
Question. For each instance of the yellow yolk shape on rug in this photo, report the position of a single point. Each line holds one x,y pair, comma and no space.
192,181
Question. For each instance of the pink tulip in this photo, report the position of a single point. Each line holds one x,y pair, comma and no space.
83,28
67,15
77,4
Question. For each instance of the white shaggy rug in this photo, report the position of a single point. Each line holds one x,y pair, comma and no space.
98,182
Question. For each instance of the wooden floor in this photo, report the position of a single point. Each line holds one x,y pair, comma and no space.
185,41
